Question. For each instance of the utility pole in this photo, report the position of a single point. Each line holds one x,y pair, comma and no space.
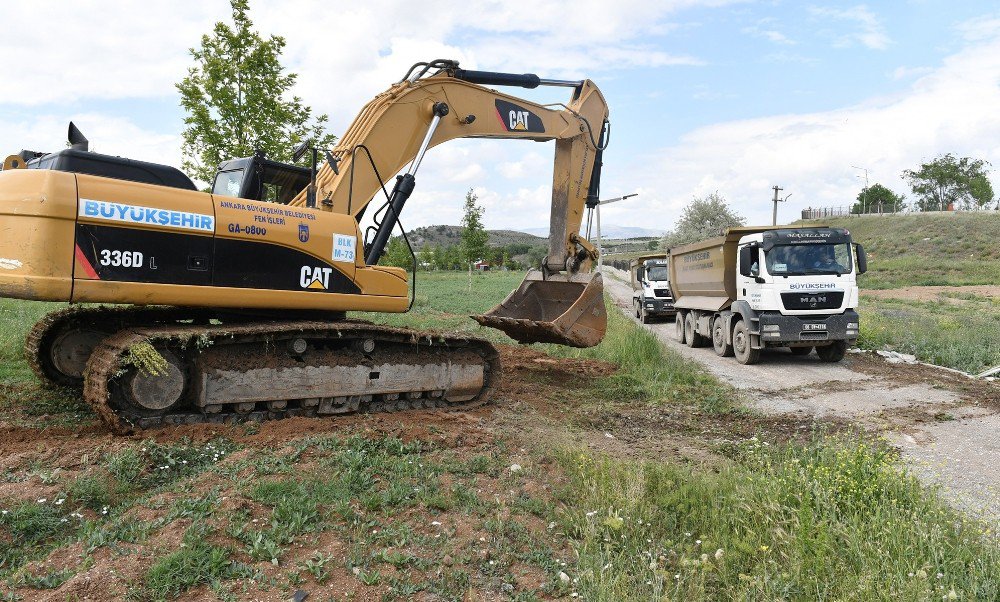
774,214
864,191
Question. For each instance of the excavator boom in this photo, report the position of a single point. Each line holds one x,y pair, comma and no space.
560,303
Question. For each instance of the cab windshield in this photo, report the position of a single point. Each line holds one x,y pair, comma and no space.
798,260
657,273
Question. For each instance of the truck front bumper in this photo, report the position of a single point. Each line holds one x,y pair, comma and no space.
779,330
660,307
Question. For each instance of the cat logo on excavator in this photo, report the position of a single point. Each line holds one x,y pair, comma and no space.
317,279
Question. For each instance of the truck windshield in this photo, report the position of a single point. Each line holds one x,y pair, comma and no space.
798,260
657,273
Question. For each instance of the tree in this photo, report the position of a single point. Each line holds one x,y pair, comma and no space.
703,218
878,199
474,236
236,98
947,180
397,254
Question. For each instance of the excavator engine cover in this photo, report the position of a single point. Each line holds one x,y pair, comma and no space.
561,309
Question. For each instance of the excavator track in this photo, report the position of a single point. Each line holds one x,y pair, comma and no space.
48,346
272,370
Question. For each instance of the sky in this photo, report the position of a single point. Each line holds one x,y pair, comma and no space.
706,96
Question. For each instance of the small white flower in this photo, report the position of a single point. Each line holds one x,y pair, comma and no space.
59,502
719,553
591,513
698,541
435,523
687,535
41,500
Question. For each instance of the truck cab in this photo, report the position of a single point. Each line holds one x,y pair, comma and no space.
651,296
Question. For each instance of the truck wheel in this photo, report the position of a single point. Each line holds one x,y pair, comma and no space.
744,353
832,353
644,318
691,336
800,350
722,348
679,327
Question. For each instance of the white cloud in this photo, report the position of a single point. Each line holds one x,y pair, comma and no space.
908,72
764,30
870,33
68,51
952,109
108,134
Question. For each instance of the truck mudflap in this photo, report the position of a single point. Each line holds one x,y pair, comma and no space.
777,329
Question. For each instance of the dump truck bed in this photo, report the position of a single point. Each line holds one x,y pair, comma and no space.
703,274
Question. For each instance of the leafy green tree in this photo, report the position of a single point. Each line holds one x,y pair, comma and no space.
703,218
474,236
237,100
878,199
949,181
397,254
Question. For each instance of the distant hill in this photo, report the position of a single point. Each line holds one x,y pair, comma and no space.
452,235
960,248
611,231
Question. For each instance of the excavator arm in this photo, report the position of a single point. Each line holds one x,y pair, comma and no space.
562,302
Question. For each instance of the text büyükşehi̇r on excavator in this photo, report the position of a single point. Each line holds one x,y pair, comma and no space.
235,299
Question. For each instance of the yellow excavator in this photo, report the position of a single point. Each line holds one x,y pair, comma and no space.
231,305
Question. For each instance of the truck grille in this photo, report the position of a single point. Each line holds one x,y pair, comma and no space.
818,300
661,292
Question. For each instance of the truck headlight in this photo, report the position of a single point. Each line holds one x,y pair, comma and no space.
852,325
771,328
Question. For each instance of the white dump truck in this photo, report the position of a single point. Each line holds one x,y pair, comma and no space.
754,288
651,296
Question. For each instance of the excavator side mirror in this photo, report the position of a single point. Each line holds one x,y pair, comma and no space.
333,162
300,150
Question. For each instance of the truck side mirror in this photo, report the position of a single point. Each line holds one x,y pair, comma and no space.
640,273
862,259
745,261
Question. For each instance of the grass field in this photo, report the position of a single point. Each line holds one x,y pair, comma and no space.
958,330
927,248
382,508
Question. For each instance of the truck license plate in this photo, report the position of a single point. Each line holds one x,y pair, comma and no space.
814,327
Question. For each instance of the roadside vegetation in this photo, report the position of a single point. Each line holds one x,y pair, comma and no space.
506,503
958,330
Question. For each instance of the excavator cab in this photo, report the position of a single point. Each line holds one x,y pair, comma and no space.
260,179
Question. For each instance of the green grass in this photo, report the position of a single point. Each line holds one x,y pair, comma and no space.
835,520
16,319
962,333
648,372
830,519
954,249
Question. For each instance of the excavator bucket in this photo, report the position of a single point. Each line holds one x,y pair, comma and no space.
567,310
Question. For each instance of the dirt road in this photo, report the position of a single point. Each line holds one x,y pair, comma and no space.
946,426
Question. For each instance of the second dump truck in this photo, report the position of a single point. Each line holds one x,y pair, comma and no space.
651,296
756,288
